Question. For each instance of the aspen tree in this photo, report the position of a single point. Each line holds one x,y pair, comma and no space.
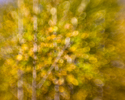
19,56
35,28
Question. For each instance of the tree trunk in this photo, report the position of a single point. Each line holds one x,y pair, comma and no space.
20,85
57,94
20,93
35,10
54,18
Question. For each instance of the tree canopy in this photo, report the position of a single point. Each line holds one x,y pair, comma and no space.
62,49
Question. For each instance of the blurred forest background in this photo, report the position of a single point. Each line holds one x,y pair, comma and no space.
62,50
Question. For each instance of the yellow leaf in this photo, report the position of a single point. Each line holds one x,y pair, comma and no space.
61,89
91,44
80,95
70,67
71,79
67,26
30,52
86,49
50,29
85,35
63,73
19,57
68,34
61,81
73,48
55,28
99,82
75,82
43,73
24,47
75,33
93,60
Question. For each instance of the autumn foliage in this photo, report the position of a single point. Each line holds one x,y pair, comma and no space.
77,50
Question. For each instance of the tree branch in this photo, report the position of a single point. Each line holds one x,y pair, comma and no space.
67,44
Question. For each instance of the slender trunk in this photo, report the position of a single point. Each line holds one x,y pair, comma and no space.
35,10
67,44
34,84
57,94
20,93
20,85
54,18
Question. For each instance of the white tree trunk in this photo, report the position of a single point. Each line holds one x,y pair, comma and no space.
35,10
20,93
54,18
20,85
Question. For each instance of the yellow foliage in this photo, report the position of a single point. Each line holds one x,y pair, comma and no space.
63,72
89,76
48,83
10,61
43,73
51,45
67,26
75,82
93,60
86,49
85,56
50,29
98,82
24,47
61,89
13,71
51,37
28,68
30,52
71,79
75,33
59,40
111,48
61,81
49,61
80,95
70,67
19,57
85,35
55,28
68,34
61,61
73,48
91,44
